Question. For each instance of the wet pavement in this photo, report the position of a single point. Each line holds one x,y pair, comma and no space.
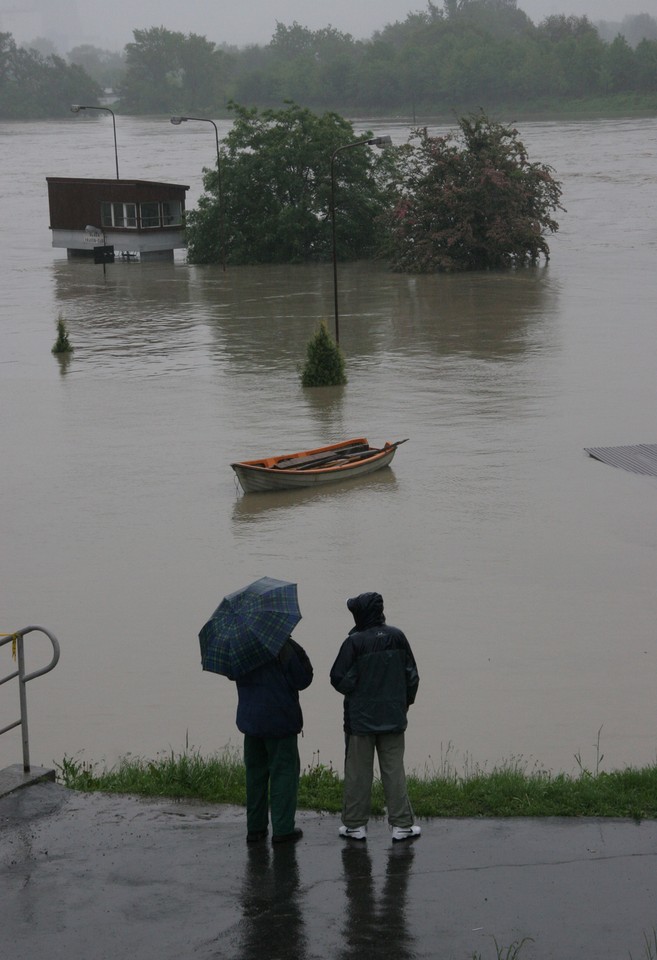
96,876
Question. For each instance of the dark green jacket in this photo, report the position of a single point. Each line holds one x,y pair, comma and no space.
375,670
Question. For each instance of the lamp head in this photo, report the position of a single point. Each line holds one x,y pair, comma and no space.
178,120
380,142
75,108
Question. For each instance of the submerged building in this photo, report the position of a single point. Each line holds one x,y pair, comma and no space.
144,218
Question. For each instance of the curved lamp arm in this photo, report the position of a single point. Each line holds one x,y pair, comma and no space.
77,107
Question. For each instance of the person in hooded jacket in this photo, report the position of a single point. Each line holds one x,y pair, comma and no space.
376,672
269,715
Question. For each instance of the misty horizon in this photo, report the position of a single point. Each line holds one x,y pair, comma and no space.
68,23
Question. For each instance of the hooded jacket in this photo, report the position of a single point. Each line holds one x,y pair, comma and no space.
268,704
375,670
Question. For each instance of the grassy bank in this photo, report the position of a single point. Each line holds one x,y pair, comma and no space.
590,108
506,791
615,107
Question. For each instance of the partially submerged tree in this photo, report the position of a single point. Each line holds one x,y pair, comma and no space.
324,365
276,186
471,205
62,344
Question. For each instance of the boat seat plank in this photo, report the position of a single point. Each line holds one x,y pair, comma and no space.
342,459
298,463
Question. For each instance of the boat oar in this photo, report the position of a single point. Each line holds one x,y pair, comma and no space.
334,458
344,459
388,446
373,451
317,459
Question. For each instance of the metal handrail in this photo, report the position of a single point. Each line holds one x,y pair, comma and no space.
24,678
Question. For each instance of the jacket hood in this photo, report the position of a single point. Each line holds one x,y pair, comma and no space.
367,610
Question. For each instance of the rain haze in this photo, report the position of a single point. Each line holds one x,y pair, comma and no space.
109,26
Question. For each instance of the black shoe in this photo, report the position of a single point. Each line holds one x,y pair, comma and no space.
253,836
287,837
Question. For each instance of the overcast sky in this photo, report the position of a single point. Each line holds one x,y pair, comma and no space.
109,23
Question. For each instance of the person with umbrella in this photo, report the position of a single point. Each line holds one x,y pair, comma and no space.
248,640
376,672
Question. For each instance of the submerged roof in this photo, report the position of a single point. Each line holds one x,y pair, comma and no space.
641,458
113,181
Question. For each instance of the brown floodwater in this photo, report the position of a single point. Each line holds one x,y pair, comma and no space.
522,571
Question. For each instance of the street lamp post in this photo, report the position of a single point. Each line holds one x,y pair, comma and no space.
371,142
76,107
176,121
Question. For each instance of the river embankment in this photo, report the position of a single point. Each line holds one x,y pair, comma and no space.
508,790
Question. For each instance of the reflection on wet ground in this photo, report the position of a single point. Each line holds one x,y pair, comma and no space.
375,923
95,875
272,904
274,911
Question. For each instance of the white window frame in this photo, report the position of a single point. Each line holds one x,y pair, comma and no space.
121,215
147,222
172,213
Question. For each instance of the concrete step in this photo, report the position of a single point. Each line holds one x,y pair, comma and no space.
14,777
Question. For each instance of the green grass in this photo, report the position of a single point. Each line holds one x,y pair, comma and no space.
649,945
508,790
217,779
513,793
513,951
506,953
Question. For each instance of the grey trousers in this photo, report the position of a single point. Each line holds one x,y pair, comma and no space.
359,773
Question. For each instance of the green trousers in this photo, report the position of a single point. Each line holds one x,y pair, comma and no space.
359,773
272,779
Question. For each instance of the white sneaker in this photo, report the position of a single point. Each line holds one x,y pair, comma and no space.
353,833
405,833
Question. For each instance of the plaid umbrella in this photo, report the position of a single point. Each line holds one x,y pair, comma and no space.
249,627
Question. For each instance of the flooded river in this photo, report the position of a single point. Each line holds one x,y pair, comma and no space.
522,571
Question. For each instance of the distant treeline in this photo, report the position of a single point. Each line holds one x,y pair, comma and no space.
33,85
464,53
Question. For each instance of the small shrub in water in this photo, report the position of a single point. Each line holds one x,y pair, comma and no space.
325,363
62,343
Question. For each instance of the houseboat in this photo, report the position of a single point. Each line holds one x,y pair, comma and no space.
135,217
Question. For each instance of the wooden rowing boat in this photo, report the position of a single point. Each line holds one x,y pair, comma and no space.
306,468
